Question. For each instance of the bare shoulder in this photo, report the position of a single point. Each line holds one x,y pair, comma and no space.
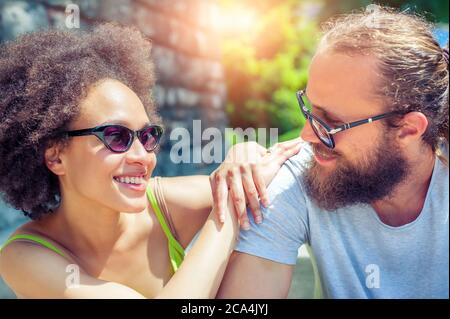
189,201
190,192
38,230
33,271
40,266
24,258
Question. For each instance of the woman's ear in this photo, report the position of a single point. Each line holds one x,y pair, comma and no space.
53,160
413,126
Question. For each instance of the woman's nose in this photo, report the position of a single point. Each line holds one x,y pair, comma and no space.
138,153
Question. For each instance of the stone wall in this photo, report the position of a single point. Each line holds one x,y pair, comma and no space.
190,80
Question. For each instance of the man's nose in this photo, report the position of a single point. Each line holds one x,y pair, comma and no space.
308,134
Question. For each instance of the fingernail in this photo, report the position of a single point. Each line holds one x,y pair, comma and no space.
258,219
222,218
245,225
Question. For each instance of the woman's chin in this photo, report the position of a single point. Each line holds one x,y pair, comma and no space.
137,206
133,210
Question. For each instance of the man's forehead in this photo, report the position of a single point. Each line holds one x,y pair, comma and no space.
337,80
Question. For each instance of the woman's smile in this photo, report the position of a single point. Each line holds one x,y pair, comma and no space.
133,182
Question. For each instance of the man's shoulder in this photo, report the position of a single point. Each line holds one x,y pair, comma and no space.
302,158
289,177
298,163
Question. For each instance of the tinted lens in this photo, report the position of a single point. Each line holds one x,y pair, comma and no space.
117,138
150,137
321,133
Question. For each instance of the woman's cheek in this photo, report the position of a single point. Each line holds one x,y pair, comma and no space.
152,165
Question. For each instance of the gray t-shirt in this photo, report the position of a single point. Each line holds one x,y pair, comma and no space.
356,254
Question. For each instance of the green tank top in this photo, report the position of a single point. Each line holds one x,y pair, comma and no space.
176,251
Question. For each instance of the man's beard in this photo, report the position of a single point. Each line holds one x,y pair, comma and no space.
374,177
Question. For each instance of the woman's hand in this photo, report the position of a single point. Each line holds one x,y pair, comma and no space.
246,171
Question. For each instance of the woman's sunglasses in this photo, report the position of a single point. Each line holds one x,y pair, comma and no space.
119,139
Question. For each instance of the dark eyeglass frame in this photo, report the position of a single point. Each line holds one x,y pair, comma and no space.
99,131
329,130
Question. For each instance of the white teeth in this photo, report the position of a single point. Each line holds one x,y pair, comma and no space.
323,155
130,180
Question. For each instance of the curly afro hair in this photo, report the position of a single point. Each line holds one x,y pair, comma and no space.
43,78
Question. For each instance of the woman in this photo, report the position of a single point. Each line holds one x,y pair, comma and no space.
77,138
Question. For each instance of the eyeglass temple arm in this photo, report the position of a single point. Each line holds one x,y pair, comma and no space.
347,126
80,132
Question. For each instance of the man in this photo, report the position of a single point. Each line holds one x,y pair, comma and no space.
368,193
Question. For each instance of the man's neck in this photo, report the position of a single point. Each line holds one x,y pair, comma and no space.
406,202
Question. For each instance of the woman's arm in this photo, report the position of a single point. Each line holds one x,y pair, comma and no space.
245,172
202,270
47,274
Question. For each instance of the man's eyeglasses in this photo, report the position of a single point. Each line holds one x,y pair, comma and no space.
119,139
323,131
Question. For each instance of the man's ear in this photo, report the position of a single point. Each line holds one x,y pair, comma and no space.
53,159
412,127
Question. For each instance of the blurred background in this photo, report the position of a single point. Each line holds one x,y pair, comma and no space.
228,63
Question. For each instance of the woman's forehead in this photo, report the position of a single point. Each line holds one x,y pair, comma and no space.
110,101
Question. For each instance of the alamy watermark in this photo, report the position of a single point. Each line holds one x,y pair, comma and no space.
190,148
73,279
72,16
373,276
371,20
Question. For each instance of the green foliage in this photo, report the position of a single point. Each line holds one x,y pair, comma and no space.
290,135
268,63
265,67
